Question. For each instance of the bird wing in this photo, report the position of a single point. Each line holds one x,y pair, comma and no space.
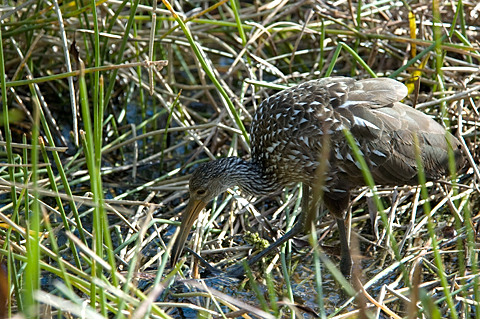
384,130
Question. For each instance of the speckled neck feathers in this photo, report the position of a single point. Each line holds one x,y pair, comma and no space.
217,176
251,177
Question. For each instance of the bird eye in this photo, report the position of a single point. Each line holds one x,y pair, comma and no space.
201,192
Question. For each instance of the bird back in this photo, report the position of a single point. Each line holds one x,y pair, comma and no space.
291,128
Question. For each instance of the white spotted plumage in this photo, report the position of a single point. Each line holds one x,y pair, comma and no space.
311,111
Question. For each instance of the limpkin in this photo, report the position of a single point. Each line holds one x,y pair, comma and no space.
287,133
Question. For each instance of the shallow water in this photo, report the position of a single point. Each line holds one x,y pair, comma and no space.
303,284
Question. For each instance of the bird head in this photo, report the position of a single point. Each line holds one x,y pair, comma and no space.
207,182
210,180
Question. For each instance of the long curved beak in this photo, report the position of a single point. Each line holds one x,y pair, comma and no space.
189,216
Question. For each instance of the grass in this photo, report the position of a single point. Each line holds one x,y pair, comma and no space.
108,106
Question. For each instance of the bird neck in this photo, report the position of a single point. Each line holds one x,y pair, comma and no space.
252,178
